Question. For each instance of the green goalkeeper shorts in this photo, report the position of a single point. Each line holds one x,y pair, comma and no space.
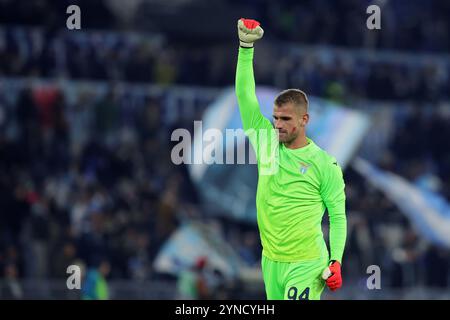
293,280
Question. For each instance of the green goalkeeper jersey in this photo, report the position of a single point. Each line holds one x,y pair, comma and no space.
295,186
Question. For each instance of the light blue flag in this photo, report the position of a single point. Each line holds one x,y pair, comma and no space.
231,189
427,210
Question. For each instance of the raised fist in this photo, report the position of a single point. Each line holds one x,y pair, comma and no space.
249,31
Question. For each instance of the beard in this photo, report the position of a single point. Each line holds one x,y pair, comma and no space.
285,137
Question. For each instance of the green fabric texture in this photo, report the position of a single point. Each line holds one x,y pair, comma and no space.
295,186
293,280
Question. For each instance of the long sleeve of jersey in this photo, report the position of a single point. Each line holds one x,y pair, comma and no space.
251,115
333,195
290,203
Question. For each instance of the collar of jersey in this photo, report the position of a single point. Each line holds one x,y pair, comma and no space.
308,148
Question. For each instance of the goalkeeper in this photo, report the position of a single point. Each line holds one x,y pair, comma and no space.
297,180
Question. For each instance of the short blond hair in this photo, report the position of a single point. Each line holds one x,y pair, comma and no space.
294,96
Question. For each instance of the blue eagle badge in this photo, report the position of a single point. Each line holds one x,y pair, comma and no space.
303,167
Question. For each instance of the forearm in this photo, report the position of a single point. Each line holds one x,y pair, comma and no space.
338,230
245,87
245,80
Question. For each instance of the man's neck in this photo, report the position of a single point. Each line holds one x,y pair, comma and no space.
298,143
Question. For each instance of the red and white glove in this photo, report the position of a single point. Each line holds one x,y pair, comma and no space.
249,31
332,275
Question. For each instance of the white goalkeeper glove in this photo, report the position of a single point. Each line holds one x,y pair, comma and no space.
249,31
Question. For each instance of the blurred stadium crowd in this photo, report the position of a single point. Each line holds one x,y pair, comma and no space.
407,25
86,175
131,57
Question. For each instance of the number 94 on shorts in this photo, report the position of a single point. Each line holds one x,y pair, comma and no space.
293,280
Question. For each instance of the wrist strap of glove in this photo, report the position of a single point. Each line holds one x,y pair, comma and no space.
246,44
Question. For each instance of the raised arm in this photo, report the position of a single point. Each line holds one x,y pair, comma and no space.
249,31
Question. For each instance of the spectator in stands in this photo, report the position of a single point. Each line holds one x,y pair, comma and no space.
192,282
95,286
11,288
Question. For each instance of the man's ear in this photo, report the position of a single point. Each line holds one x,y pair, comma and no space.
304,120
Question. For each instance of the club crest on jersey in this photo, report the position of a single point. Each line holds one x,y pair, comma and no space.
304,167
